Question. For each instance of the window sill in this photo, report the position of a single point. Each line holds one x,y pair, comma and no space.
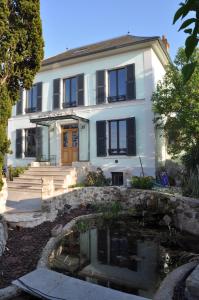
114,157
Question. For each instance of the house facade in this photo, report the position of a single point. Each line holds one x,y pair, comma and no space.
92,105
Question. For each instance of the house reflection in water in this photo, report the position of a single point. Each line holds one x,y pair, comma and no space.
119,260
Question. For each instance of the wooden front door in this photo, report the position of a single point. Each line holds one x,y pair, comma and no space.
69,145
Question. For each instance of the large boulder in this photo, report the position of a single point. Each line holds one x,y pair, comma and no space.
3,196
3,234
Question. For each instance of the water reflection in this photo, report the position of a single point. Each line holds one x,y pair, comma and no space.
118,260
122,254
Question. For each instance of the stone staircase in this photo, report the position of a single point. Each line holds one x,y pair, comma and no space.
31,179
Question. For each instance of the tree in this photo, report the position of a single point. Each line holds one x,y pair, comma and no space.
193,32
21,51
177,106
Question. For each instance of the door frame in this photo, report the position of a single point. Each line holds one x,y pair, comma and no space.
68,126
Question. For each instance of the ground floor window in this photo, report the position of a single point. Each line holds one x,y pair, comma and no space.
121,137
30,142
117,178
117,137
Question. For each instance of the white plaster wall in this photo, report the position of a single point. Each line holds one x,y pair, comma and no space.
89,69
146,76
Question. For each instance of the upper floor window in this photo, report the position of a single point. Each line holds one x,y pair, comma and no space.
121,84
74,91
34,98
117,85
70,92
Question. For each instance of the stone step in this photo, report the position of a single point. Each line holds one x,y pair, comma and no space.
51,168
25,189
39,176
46,173
27,184
35,180
21,185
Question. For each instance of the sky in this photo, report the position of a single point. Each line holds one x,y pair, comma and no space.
74,23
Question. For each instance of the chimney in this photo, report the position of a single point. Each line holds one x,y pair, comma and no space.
165,42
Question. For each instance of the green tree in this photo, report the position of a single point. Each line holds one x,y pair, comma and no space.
176,107
190,27
21,51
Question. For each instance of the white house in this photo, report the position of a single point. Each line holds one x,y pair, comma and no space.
93,104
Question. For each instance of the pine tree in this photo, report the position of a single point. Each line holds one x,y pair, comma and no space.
21,51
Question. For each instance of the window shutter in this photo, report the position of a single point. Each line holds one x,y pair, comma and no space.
130,84
100,87
39,96
131,137
18,150
39,142
19,103
80,89
56,93
101,138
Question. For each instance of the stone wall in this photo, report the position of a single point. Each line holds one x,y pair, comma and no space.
184,212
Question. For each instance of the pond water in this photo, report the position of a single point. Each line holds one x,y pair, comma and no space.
126,253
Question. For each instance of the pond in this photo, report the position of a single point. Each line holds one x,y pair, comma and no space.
130,254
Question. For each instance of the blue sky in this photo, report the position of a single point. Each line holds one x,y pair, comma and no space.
69,24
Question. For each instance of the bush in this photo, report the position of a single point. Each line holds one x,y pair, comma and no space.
190,186
145,183
15,172
97,178
80,184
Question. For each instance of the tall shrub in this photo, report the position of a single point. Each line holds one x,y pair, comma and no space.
21,51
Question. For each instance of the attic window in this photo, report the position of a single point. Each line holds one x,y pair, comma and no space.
80,51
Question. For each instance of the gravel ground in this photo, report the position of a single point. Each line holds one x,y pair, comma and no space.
25,245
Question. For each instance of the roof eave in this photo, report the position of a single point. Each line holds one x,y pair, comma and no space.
105,52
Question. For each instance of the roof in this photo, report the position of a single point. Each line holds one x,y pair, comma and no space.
111,44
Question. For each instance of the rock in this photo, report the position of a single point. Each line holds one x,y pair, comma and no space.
56,230
166,289
3,196
188,214
3,235
167,220
192,285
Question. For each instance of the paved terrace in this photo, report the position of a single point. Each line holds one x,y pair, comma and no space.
52,285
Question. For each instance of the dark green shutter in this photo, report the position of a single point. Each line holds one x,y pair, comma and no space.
130,84
56,93
19,103
39,142
39,96
131,136
18,145
100,87
101,138
80,89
